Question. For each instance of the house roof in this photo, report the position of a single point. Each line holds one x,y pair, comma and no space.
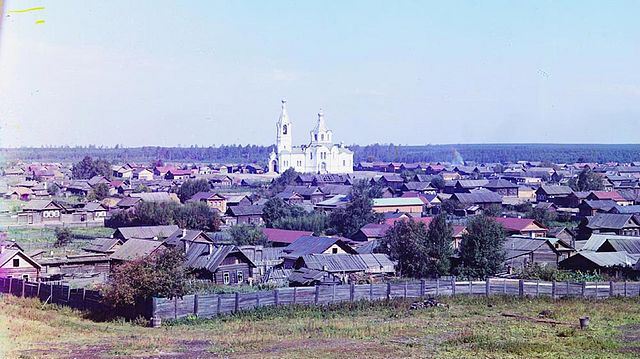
187,235
284,235
478,197
147,232
335,189
135,248
556,190
93,207
340,263
204,196
314,245
635,209
156,196
472,183
519,224
102,245
602,204
607,259
9,253
610,221
500,183
603,195
128,202
39,205
374,230
397,201
252,210
209,257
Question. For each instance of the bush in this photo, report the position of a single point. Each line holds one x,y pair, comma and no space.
63,236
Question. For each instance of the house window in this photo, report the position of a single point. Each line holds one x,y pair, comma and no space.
226,278
25,277
240,276
16,262
334,250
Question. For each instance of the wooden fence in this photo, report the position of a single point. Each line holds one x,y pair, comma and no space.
78,298
210,305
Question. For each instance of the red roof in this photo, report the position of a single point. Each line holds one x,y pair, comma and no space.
457,230
180,172
613,195
517,224
283,235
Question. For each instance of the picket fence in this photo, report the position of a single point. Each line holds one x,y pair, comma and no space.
210,305
78,298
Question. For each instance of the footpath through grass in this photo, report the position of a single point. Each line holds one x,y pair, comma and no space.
469,328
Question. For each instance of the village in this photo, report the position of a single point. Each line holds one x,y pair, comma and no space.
546,221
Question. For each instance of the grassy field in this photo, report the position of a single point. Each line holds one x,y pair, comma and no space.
469,328
41,238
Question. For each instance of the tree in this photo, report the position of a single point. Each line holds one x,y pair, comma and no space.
53,189
481,250
316,222
347,221
450,206
494,210
405,243
438,182
197,216
63,236
274,209
88,168
587,180
285,179
542,215
157,275
439,250
191,187
248,234
101,191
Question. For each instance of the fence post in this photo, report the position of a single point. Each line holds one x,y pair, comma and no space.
504,286
276,296
23,284
388,291
10,282
315,299
470,286
175,308
568,294
405,290
437,287
422,287
596,290
625,287
333,293
195,305
237,302
453,286
154,306
553,290
352,289
487,286
537,287
371,291
38,293
584,288
258,299
51,293
521,288
295,294
219,304
611,292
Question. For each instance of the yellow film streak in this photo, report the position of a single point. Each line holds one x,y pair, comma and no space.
39,21
27,10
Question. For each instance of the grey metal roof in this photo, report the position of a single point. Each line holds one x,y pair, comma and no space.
147,232
610,221
555,190
478,197
135,248
314,245
500,183
209,257
156,196
609,259
102,245
340,263
187,235
253,210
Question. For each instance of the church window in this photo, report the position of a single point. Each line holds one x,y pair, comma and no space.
344,163
311,155
315,136
284,129
322,137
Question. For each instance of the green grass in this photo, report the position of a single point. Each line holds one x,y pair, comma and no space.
44,238
469,328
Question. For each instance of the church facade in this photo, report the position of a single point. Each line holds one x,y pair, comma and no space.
320,155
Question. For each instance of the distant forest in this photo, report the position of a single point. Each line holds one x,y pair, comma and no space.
558,153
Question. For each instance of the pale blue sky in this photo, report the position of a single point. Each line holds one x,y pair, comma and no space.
408,72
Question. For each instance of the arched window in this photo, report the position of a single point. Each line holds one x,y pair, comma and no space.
322,137
310,155
284,129
315,136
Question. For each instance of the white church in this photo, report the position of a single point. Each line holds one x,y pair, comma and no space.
319,156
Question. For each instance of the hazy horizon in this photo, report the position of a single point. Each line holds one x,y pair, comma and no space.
210,73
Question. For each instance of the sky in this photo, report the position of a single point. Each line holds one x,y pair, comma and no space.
204,73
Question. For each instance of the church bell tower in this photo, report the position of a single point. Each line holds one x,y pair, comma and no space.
283,137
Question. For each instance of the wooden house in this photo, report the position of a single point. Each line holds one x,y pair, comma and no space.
314,245
502,187
41,211
246,214
145,232
554,193
522,251
212,199
283,237
14,263
522,226
620,224
398,204
225,264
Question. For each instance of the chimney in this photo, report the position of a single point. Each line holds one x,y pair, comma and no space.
2,247
184,232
